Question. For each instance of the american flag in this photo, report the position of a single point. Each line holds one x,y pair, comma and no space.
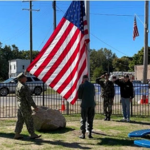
135,29
63,60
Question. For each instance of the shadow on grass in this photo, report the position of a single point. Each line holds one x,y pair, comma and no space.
10,135
114,142
61,143
134,122
100,133
138,122
147,136
42,141
58,131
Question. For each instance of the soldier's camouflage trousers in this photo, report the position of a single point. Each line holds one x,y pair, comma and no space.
24,117
107,106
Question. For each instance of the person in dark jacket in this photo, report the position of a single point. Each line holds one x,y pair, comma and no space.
108,93
126,89
86,93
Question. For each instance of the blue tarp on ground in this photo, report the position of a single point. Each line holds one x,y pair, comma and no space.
143,143
139,133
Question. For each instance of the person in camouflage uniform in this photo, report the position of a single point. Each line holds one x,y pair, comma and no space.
24,101
107,93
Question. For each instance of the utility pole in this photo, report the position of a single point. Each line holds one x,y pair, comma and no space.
145,59
31,31
87,6
30,9
54,13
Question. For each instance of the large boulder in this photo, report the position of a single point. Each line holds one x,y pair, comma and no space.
46,119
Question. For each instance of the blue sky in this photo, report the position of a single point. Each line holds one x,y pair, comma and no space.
111,24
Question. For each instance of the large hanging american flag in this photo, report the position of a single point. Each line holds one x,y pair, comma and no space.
135,29
63,60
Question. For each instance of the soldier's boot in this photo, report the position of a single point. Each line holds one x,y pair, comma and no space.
105,119
90,134
82,136
108,118
18,136
34,136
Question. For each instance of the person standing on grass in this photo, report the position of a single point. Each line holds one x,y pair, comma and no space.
86,93
108,93
127,93
25,102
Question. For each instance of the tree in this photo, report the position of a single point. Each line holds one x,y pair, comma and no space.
109,56
101,60
5,55
137,59
8,53
15,51
97,73
121,64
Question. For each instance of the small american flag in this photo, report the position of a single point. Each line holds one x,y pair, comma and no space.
135,29
63,60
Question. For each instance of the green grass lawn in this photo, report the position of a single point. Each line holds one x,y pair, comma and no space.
111,135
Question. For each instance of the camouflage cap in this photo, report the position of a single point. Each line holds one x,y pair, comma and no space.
21,75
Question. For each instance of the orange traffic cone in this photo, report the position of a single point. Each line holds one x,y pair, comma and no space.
144,99
62,106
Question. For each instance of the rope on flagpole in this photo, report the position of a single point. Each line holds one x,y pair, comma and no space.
139,18
141,21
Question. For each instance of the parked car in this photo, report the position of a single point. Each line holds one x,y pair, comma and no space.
9,86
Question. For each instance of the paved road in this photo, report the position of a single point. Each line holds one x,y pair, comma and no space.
11,100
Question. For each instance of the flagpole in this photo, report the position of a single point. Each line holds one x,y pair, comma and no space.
145,59
31,31
54,14
88,45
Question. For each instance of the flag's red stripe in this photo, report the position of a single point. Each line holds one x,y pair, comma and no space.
62,56
46,45
85,22
71,90
71,75
53,52
85,32
135,30
75,99
59,76
67,65
67,81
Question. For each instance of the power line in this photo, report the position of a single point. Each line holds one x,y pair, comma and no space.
107,44
44,38
60,9
120,15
